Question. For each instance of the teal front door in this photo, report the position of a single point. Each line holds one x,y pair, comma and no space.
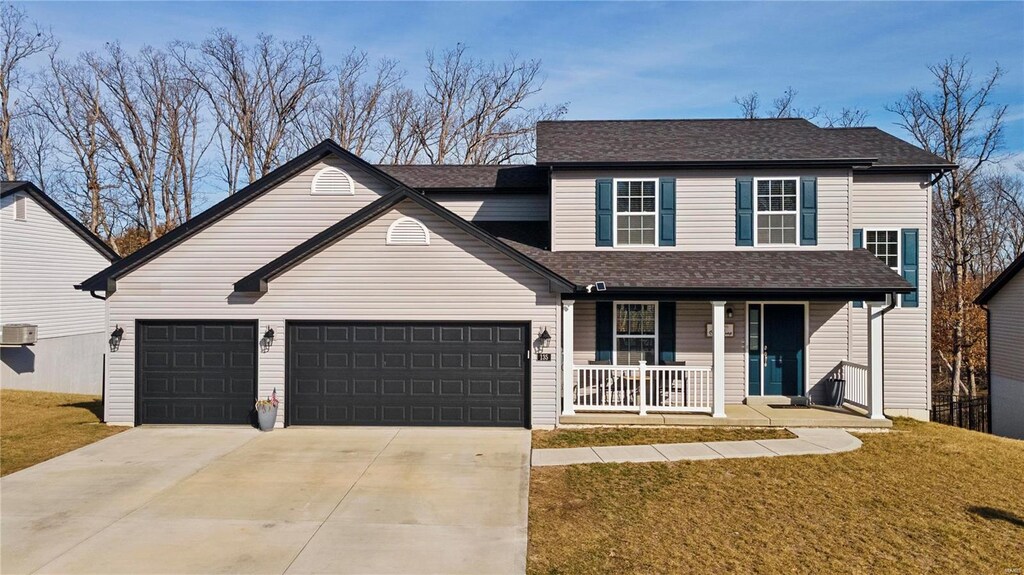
783,349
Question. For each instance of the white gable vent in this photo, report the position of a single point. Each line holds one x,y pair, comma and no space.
408,232
332,182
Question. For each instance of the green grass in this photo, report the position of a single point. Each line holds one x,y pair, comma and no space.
925,498
600,436
36,426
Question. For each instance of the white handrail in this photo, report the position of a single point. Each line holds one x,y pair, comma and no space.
642,388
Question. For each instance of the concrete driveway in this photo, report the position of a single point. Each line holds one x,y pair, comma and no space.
296,500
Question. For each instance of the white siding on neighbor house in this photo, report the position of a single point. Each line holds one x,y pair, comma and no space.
41,260
495,207
1006,349
896,202
705,208
456,277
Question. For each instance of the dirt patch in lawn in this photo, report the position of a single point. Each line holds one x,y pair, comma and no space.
36,426
923,498
601,436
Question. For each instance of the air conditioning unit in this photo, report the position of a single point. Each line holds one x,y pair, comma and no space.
18,334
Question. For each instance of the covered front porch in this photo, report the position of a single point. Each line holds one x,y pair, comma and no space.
645,359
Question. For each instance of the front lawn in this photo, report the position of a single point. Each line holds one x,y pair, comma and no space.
599,436
36,426
922,498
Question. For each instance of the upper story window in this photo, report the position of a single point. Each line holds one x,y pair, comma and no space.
635,333
777,211
885,244
636,212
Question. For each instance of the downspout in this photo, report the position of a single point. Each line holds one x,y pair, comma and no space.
988,361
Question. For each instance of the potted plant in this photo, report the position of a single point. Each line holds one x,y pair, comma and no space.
266,411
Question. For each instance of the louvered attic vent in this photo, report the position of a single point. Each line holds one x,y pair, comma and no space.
331,182
408,232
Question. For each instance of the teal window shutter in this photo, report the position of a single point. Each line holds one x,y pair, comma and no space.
603,324
858,243
605,209
909,245
666,331
667,211
808,211
744,211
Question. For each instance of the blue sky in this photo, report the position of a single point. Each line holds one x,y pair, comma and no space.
626,60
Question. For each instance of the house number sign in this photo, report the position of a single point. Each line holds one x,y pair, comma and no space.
730,330
543,357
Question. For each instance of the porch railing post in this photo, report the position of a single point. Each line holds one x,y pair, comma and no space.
875,373
718,358
643,387
568,400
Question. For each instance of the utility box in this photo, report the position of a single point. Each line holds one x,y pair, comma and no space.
18,334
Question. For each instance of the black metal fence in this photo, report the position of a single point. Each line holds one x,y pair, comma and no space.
966,413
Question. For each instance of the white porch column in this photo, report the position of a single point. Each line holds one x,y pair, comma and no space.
567,362
875,376
718,357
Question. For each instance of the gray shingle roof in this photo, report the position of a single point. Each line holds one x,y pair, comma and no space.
472,177
845,271
720,141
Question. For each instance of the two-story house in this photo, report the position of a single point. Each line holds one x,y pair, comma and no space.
673,270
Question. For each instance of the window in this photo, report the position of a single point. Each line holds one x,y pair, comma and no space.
635,333
777,211
636,212
19,207
885,244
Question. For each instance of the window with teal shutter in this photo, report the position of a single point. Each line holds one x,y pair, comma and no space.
808,211
910,265
605,209
667,211
744,211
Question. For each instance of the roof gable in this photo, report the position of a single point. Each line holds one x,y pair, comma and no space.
1004,278
106,279
256,282
72,223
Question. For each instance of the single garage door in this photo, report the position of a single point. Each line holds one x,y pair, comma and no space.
408,373
195,371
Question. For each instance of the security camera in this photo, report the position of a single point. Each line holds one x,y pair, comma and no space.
590,287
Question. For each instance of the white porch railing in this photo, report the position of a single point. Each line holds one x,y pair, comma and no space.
855,375
642,388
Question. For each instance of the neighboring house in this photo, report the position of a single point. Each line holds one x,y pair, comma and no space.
522,295
1004,301
44,252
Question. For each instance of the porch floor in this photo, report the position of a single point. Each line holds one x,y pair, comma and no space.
739,415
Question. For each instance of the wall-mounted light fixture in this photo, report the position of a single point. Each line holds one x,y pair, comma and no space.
728,312
115,338
267,340
544,338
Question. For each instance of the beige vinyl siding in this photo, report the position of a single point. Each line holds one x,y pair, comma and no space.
1006,348
41,260
896,202
828,325
456,277
705,208
493,207
584,331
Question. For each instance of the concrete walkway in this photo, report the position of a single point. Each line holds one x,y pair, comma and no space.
297,500
808,441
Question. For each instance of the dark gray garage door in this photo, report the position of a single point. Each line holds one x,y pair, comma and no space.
362,373
195,371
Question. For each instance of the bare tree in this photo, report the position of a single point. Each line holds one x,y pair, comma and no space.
785,107
476,112
21,40
846,118
257,94
352,110
749,105
401,142
958,122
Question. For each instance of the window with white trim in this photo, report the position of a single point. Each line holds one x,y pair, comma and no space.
636,333
636,212
885,244
777,211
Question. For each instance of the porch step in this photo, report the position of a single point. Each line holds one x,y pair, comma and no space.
775,400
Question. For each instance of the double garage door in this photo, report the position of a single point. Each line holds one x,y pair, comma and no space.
338,373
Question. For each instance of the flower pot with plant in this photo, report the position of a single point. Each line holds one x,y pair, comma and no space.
266,411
